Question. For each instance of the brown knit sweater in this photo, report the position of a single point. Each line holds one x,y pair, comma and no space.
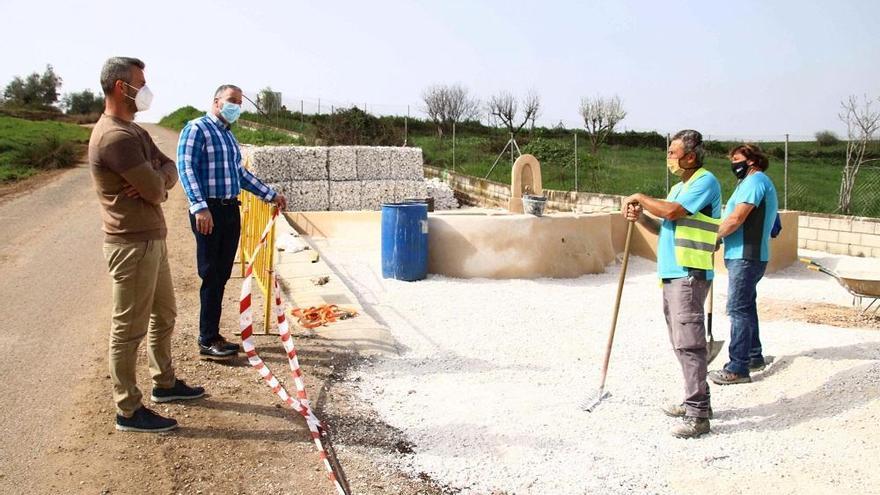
122,153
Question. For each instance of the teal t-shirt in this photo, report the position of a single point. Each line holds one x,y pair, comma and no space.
751,240
701,195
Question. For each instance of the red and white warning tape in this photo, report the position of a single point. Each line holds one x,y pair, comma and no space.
300,403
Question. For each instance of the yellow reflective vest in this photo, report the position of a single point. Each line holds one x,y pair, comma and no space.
695,236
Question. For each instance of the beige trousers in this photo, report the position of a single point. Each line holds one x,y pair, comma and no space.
143,304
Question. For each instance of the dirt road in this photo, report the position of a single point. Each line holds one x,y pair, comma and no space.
55,396
54,314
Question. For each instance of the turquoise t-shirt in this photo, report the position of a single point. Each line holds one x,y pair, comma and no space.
701,195
751,240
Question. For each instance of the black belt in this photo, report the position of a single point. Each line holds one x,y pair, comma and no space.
223,201
695,273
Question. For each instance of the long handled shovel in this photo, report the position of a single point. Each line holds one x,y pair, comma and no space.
589,405
713,346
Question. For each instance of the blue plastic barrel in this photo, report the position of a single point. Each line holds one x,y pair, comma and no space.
405,241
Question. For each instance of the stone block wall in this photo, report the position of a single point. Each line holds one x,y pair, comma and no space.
838,234
338,178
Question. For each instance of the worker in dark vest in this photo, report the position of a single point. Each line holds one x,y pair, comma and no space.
689,218
749,219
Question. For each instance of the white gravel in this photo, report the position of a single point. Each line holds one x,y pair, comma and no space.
444,196
489,387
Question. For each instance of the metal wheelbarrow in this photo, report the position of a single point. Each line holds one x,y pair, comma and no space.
861,288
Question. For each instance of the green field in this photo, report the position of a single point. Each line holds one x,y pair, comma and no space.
262,137
813,181
813,172
27,146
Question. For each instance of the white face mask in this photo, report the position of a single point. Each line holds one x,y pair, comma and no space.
143,99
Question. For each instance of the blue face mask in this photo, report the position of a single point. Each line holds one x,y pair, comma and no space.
230,112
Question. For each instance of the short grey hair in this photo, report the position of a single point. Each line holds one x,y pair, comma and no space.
693,143
224,87
118,69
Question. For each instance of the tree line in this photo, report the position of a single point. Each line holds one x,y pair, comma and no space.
447,105
41,92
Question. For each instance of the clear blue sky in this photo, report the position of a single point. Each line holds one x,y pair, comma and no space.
743,68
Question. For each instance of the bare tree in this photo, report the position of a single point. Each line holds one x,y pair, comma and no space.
461,105
861,124
269,101
505,107
449,104
435,106
600,116
532,104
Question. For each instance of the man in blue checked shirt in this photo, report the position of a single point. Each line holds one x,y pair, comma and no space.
209,165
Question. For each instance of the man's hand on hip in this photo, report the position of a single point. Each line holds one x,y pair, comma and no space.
280,201
204,222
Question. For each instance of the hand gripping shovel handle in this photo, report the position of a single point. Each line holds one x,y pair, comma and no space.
601,394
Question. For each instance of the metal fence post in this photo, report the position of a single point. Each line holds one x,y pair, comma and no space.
319,106
575,160
511,151
453,147
406,127
302,116
785,186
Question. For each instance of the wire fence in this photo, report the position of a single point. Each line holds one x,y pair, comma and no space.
807,175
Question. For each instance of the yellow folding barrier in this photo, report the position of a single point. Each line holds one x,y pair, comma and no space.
255,214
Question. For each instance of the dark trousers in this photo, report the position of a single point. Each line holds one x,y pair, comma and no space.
215,255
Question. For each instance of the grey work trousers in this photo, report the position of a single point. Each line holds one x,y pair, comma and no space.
683,300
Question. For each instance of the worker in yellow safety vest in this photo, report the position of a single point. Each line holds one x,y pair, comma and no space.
687,227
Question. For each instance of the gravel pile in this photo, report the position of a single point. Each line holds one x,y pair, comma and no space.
320,178
488,389
444,196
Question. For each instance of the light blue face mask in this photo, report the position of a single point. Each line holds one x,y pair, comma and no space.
230,112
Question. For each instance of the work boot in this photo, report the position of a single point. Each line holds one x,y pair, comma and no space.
691,427
724,377
678,410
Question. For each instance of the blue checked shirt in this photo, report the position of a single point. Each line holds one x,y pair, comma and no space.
209,164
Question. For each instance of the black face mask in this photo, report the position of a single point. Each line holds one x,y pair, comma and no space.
739,169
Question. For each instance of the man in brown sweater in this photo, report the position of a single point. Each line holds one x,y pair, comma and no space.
132,178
